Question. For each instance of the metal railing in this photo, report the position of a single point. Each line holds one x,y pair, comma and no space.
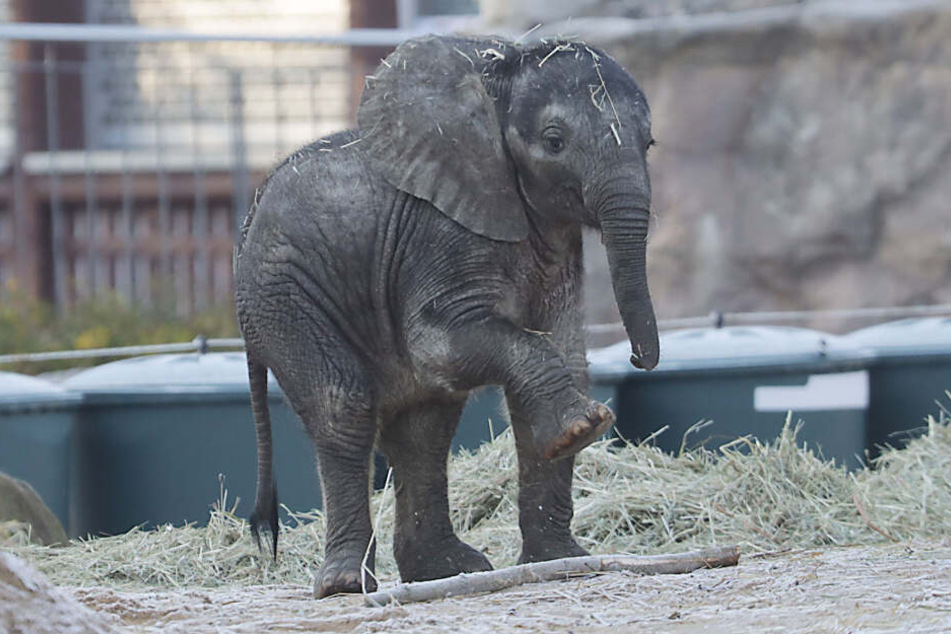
199,344
98,33
716,319
128,156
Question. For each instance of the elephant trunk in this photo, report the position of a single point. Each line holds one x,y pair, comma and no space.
624,223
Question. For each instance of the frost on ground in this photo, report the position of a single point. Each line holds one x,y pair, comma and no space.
894,588
822,550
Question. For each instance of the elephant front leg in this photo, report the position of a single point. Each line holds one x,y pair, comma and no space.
560,419
544,498
544,495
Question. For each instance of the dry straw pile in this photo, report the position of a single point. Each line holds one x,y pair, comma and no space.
628,499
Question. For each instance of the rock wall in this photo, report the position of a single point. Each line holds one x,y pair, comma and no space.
527,13
804,157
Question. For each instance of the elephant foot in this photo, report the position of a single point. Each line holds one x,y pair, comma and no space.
581,430
542,549
340,575
446,560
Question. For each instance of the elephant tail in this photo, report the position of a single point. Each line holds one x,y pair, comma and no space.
264,519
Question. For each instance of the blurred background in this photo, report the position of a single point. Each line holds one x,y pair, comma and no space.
803,158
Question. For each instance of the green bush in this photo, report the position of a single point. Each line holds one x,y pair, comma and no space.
29,325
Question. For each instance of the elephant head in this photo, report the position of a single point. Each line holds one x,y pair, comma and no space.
506,140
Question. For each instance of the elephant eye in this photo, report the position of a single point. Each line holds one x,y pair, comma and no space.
554,143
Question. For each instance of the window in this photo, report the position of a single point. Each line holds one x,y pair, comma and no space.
447,7
436,15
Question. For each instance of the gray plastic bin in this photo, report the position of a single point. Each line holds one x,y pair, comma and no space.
155,432
37,422
744,380
909,374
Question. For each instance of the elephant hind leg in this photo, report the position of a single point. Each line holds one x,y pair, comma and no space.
417,443
344,468
334,399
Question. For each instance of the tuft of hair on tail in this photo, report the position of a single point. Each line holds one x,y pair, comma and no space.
264,521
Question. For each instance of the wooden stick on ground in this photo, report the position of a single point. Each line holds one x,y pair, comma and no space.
494,580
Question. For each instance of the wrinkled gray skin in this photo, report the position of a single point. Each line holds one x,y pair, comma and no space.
388,271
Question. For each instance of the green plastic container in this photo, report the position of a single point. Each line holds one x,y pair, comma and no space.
155,433
909,376
37,425
482,419
743,380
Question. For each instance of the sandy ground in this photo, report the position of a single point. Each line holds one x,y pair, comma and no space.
894,588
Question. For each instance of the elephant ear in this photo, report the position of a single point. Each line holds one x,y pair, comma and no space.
428,120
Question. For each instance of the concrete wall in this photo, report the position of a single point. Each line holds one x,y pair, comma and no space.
804,157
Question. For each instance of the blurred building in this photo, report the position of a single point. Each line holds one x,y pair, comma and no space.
127,165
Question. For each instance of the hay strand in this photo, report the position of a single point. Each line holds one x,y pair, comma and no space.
868,522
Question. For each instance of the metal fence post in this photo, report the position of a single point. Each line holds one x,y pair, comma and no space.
22,264
239,150
92,207
198,296
162,181
56,204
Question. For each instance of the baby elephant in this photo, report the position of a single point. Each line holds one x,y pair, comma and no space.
385,272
